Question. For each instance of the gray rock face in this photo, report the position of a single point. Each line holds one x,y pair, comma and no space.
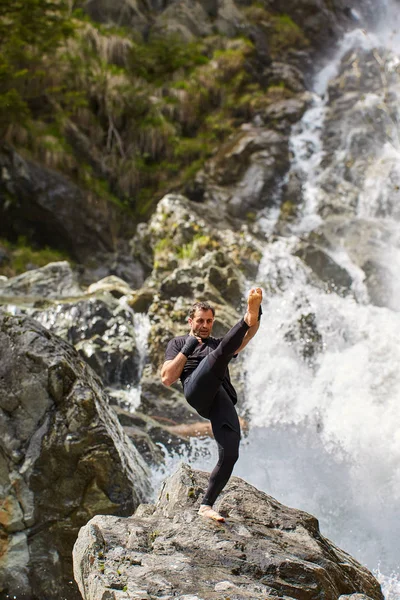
264,550
55,280
325,268
103,332
63,458
41,204
241,176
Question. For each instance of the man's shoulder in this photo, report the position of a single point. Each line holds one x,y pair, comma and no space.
174,346
179,338
177,342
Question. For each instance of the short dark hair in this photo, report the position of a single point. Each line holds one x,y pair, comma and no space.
200,306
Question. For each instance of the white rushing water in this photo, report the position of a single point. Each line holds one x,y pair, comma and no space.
324,432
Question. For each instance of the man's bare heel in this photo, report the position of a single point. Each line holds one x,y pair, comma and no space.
254,300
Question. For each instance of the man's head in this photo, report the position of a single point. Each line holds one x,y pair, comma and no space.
201,319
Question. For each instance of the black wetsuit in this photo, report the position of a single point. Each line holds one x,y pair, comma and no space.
207,387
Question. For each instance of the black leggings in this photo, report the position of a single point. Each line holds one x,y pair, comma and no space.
204,391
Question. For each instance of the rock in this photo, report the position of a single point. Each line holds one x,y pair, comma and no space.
141,300
305,337
48,209
283,114
368,244
354,597
378,279
243,174
115,285
165,403
264,550
128,13
103,331
187,19
64,457
325,268
324,21
278,73
55,280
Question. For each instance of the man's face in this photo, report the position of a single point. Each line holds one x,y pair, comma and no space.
202,322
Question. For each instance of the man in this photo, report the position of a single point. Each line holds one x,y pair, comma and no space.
201,362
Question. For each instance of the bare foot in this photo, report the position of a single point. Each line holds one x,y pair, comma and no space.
207,511
254,300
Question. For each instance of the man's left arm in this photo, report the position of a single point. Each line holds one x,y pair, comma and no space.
249,335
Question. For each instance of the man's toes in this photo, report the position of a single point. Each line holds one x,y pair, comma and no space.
209,513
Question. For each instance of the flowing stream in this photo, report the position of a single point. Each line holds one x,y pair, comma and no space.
324,406
325,431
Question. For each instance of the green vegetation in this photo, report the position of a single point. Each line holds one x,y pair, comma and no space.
166,250
125,118
23,257
286,34
152,536
283,33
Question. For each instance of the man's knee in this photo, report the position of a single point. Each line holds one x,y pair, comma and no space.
232,456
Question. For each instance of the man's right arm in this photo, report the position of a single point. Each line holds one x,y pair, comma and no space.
172,369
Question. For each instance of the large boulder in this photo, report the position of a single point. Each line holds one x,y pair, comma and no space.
240,178
102,329
265,550
47,208
55,280
63,458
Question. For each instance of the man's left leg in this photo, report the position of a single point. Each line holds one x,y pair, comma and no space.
226,430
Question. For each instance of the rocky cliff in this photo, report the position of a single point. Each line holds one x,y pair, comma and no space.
165,550
63,458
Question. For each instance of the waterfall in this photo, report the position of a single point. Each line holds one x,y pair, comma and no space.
128,396
323,372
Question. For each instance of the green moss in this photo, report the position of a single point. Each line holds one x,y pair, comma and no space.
286,34
24,257
289,210
153,535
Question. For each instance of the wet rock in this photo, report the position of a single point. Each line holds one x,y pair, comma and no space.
369,244
64,458
55,280
359,118
304,336
164,404
264,550
378,278
102,329
325,268
283,114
